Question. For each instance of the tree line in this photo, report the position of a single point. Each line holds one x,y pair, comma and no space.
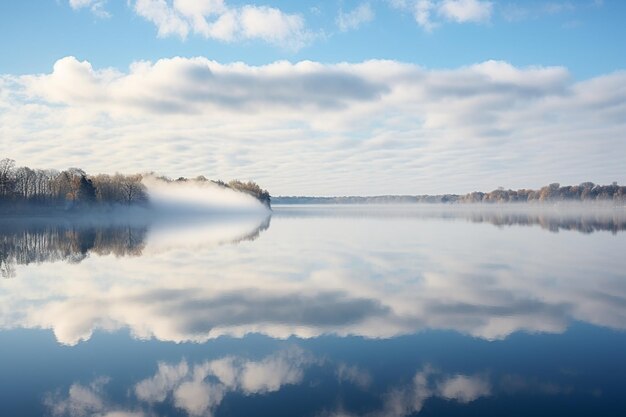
587,191
74,188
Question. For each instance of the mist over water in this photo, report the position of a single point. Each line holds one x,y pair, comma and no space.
193,197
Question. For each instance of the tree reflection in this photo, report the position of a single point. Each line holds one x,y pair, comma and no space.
579,218
24,244
588,223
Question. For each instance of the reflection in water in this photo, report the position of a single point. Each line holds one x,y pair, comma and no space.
196,389
23,244
613,222
428,383
213,387
581,218
361,313
309,276
199,233
199,389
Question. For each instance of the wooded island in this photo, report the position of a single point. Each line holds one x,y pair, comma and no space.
24,189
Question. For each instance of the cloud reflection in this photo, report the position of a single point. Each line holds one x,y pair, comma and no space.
428,383
87,401
198,389
372,276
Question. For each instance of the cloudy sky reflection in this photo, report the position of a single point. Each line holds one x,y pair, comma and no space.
340,377
309,275
198,389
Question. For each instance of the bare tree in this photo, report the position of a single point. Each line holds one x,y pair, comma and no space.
6,176
133,190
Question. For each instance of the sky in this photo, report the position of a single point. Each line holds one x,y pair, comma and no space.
319,97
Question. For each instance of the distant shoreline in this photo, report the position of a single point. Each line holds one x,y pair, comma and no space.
553,193
357,200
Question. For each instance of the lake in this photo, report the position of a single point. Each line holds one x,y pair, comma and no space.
317,311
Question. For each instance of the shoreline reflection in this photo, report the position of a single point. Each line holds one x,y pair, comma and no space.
580,218
25,242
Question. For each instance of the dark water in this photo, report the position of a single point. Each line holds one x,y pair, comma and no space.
317,311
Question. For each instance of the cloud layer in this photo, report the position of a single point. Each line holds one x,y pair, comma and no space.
218,20
375,127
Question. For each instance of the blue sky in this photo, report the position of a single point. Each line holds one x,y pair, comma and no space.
532,69
580,35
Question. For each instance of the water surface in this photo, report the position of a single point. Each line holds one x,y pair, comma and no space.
317,311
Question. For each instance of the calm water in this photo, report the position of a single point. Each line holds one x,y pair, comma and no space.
316,311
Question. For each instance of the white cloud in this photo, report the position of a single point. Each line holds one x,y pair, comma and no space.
351,20
97,7
466,10
273,26
217,20
352,121
167,21
195,8
201,84
426,12
422,12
